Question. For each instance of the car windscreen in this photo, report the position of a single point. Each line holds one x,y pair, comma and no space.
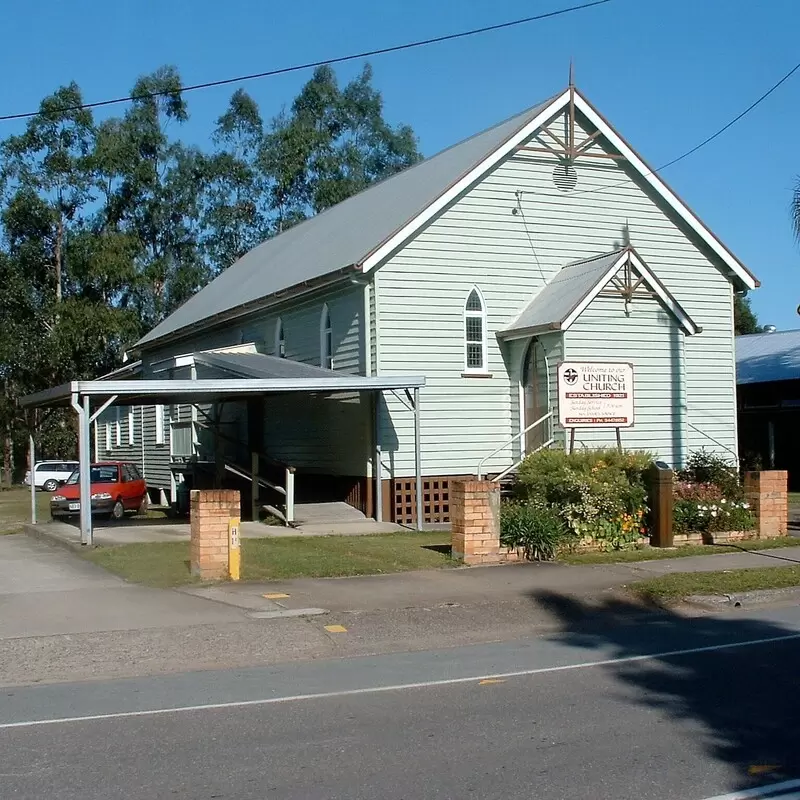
106,473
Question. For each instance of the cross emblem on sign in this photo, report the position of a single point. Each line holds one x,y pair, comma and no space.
570,375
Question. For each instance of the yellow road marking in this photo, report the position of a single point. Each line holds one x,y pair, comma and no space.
336,629
760,769
488,681
275,596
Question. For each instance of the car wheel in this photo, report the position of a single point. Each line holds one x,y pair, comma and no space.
143,506
118,511
50,486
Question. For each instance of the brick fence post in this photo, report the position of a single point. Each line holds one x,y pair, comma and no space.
210,513
475,521
768,496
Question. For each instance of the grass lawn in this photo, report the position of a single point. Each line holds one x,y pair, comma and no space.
15,508
655,553
167,564
682,584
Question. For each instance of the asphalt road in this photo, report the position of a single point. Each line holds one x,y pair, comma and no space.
672,709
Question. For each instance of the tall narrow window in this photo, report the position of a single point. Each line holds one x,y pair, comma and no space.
118,428
475,356
279,348
130,425
108,436
325,339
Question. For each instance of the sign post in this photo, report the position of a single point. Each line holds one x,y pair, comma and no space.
234,549
593,394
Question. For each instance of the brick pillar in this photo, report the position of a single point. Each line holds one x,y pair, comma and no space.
211,512
767,493
475,519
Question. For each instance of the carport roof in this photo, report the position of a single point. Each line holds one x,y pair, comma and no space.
145,392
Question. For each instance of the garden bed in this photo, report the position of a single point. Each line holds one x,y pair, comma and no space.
597,501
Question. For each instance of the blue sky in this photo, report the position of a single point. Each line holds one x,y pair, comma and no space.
666,73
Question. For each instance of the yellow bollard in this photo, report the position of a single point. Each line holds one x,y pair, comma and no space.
234,549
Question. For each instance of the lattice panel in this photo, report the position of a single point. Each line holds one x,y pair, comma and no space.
435,500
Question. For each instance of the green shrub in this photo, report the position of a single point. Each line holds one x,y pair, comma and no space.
705,467
537,529
599,494
696,516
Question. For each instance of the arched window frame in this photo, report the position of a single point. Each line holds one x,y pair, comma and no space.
279,346
470,337
325,339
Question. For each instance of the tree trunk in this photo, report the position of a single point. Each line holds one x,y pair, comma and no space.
8,441
59,255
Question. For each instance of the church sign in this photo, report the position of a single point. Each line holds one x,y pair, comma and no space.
593,394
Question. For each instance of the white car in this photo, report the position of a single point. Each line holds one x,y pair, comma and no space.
47,474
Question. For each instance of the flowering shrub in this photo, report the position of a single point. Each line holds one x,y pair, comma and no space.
600,494
705,468
709,498
724,515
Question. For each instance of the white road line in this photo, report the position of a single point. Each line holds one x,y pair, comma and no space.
402,686
774,791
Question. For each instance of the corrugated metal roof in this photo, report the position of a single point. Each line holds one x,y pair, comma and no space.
258,365
766,357
341,236
559,298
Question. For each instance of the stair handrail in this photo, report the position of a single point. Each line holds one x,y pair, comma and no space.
506,471
505,444
289,471
270,459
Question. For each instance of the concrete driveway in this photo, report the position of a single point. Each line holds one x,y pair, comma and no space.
46,591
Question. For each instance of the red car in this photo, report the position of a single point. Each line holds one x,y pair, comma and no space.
117,487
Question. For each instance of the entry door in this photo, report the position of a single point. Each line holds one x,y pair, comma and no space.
534,383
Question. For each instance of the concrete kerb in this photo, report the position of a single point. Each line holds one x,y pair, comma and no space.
44,533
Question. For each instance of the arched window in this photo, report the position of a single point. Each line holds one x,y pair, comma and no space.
280,340
475,354
325,339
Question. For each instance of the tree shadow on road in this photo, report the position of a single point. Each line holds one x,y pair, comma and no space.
746,698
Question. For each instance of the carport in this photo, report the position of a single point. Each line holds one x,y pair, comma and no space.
91,398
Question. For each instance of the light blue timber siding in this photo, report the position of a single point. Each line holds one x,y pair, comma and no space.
301,323
317,434
652,341
152,459
479,241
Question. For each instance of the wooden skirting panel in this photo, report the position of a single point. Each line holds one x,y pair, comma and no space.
400,499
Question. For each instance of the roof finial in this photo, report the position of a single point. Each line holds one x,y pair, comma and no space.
571,74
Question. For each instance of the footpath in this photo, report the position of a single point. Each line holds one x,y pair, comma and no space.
513,583
75,622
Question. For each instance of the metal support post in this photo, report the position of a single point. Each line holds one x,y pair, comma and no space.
255,464
32,458
417,459
771,438
85,467
289,494
378,470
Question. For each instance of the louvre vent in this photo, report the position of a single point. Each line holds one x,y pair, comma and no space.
565,177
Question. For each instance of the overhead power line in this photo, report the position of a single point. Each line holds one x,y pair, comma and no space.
705,141
326,61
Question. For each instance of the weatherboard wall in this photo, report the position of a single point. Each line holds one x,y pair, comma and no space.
480,241
317,434
650,339
151,458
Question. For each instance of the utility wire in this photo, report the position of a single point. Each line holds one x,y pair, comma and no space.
336,60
